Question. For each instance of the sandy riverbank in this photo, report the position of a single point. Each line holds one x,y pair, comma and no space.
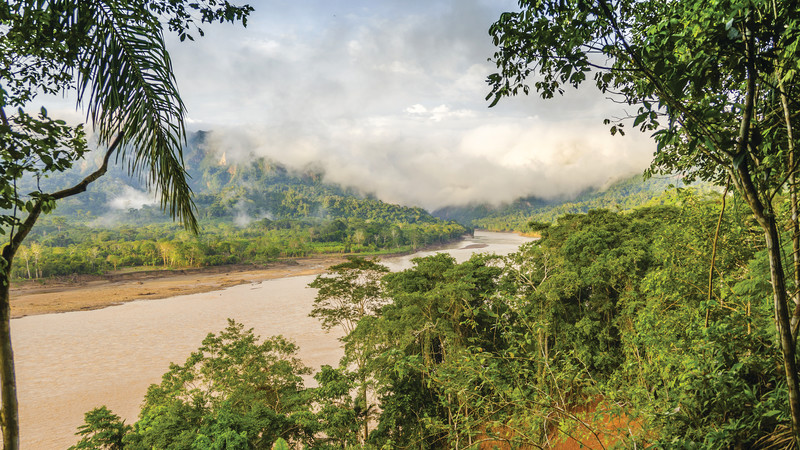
95,292
87,292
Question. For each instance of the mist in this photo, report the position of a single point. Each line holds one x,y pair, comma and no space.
389,98
434,163
131,198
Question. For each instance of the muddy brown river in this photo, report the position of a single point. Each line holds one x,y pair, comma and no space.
69,363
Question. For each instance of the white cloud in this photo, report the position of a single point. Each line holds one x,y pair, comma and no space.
263,47
131,198
416,109
399,161
388,97
438,113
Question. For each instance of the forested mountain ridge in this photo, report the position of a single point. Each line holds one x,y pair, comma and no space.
621,195
251,210
244,189
224,187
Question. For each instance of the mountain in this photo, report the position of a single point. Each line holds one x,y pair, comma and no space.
241,190
237,190
622,195
250,210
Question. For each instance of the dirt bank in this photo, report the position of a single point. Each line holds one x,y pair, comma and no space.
85,292
99,291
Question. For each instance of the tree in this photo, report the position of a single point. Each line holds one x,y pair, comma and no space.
112,53
349,292
715,82
114,260
36,252
438,308
336,412
26,255
167,251
234,390
59,222
102,430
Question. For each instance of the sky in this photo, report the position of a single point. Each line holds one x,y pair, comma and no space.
388,97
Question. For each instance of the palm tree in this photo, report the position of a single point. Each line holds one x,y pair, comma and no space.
113,53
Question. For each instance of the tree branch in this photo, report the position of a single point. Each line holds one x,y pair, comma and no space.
666,95
26,226
81,187
3,117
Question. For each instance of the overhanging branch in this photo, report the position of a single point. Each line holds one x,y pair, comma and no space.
33,215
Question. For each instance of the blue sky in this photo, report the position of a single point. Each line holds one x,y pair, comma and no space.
388,97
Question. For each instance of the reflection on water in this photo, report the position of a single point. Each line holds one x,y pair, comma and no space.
69,363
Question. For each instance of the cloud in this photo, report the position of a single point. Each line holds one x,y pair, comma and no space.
338,60
390,100
438,113
131,198
121,199
388,97
398,159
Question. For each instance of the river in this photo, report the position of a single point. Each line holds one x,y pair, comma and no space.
70,363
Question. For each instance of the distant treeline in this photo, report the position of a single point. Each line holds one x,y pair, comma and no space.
620,196
60,248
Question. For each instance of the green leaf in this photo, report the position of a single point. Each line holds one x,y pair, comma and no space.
280,444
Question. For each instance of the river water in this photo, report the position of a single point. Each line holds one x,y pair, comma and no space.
70,363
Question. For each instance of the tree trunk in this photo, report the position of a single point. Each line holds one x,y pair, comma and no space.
782,322
793,199
366,406
9,418
795,235
765,217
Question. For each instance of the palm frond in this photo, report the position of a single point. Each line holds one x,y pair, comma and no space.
126,82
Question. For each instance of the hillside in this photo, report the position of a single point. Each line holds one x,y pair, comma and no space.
250,212
237,191
620,196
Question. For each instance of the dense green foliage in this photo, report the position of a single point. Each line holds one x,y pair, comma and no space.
102,430
604,327
81,249
605,307
714,82
233,392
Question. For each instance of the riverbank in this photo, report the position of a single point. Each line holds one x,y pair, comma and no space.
87,292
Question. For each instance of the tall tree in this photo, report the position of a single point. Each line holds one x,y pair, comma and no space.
113,54
709,79
349,292
236,391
